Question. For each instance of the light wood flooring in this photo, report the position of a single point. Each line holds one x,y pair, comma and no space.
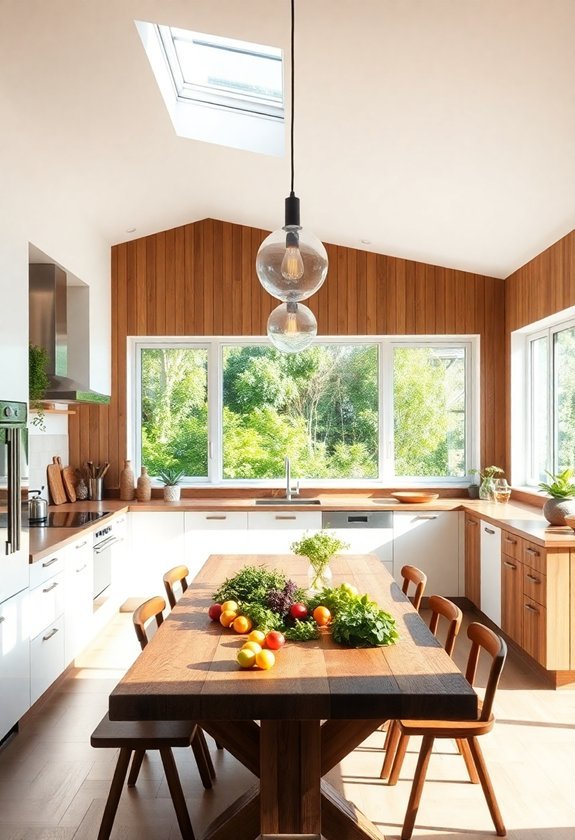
53,785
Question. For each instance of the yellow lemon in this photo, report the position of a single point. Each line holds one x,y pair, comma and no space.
246,658
253,646
257,636
230,605
265,660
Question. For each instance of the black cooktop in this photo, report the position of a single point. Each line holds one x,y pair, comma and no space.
70,518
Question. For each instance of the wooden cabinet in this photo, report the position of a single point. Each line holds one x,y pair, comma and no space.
429,541
14,660
512,598
472,562
535,630
547,606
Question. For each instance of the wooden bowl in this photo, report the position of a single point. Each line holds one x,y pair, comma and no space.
415,498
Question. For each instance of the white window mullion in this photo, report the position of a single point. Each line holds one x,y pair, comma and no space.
386,451
215,412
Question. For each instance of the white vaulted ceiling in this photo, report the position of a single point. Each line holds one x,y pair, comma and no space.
437,130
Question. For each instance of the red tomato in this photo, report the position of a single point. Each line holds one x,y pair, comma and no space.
215,611
298,611
275,640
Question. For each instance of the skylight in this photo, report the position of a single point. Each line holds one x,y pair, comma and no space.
218,90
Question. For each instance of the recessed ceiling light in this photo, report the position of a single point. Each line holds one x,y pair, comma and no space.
365,241
131,230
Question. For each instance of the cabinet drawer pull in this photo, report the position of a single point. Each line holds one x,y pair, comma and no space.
51,587
531,609
509,565
509,540
532,551
82,544
49,562
279,516
81,569
534,579
426,516
49,635
489,530
217,517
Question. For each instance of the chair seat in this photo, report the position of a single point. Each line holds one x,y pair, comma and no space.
142,734
447,728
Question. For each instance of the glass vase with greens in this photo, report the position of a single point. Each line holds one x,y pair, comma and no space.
319,548
487,486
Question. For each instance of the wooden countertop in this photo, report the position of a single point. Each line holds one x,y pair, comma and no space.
524,520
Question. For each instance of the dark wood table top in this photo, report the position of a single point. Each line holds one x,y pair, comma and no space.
189,669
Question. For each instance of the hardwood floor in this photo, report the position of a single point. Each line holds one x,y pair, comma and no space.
53,785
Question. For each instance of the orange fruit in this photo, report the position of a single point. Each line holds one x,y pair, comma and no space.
322,616
242,624
227,617
253,646
265,660
257,636
246,658
230,605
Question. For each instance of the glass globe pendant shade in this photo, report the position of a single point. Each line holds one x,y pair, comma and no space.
291,263
292,327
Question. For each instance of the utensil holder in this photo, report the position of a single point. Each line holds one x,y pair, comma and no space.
95,487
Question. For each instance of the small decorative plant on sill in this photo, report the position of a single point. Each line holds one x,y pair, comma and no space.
562,492
319,548
37,383
486,487
171,477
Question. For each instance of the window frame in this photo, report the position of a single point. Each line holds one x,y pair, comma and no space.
215,346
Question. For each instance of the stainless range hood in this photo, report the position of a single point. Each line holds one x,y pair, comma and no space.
48,302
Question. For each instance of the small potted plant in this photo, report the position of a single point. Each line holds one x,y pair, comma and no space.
562,492
171,477
37,383
319,548
487,487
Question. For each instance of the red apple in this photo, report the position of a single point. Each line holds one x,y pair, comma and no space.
298,611
274,640
215,611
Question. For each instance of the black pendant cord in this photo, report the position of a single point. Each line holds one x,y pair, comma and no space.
292,90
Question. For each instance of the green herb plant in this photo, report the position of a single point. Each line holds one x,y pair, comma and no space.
302,631
361,623
170,476
562,486
37,383
487,472
319,548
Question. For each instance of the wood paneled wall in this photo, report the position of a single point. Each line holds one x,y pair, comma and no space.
200,279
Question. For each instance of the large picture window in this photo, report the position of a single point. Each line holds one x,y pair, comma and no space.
369,409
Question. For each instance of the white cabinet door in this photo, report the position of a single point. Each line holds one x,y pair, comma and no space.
46,603
213,532
273,532
431,542
46,658
491,572
78,610
365,532
157,542
14,661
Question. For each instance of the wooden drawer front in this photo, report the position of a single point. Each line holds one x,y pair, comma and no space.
46,658
216,520
534,556
535,630
46,568
511,545
46,603
535,585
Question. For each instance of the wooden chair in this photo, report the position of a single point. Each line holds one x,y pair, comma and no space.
464,732
135,737
176,576
411,574
441,608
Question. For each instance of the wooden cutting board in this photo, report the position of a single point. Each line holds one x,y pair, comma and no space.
69,482
55,485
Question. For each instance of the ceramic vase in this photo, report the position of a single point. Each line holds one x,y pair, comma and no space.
127,490
319,578
144,486
172,493
487,489
555,510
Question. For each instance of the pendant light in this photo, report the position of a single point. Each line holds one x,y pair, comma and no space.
291,263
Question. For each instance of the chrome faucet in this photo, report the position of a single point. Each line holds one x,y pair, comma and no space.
289,490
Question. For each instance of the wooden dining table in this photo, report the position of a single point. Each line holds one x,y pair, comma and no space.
291,724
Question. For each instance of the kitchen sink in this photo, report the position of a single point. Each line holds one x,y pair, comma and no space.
300,501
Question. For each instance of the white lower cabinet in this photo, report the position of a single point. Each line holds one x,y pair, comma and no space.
430,541
490,554
273,532
78,612
157,544
14,660
213,532
46,657
46,624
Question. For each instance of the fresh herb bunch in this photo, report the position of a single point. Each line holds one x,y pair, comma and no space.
361,623
335,599
562,487
262,617
302,631
251,584
318,548
280,600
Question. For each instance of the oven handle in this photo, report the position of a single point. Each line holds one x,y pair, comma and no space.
106,544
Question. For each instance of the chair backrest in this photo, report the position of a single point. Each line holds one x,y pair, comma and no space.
444,608
482,638
177,575
411,574
152,608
